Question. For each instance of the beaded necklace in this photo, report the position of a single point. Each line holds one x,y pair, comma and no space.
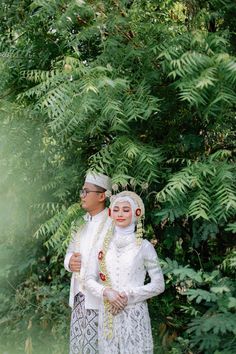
103,274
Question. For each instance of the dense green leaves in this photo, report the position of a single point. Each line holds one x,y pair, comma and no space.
206,188
141,90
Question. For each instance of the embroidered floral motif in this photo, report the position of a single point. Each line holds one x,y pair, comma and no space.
100,255
102,276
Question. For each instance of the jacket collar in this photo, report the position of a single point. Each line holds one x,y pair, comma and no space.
96,218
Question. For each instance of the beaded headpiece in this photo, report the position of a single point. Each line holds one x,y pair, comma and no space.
137,207
135,197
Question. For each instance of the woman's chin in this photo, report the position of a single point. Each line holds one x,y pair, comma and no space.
120,224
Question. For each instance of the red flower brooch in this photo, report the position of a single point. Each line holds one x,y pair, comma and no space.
102,276
138,212
100,255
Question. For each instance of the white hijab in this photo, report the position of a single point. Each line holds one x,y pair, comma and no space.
125,235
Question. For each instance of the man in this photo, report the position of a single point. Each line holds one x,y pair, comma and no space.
83,332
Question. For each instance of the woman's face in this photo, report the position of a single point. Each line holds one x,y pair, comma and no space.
121,213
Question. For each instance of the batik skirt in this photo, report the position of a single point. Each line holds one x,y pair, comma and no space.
129,333
84,328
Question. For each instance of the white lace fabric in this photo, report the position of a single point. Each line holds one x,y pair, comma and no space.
131,331
127,265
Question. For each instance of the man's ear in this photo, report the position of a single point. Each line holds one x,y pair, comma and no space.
102,197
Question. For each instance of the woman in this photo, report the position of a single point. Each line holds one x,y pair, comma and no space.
117,276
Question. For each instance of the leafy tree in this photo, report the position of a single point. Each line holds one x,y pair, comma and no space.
143,91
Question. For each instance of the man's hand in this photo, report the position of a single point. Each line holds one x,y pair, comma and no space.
75,262
117,300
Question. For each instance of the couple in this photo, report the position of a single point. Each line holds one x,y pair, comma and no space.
109,261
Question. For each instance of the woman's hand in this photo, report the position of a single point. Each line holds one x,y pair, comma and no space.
113,310
117,300
124,297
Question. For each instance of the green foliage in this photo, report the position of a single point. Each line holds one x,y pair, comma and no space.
205,78
59,228
206,188
211,305
143,91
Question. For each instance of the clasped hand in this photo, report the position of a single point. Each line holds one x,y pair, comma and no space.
117,300
75,262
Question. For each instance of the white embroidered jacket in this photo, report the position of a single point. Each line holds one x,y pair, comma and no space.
84,241
127,265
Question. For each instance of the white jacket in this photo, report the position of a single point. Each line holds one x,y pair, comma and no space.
127,265
84,241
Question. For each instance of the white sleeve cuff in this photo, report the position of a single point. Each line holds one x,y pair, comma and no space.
67,261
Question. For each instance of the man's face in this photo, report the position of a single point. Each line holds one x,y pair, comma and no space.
92,200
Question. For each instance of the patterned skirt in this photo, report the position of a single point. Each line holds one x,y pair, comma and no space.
84,328
130,331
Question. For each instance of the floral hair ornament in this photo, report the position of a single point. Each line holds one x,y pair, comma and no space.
137,209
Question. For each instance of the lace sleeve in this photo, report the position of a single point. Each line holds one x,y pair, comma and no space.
156,285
